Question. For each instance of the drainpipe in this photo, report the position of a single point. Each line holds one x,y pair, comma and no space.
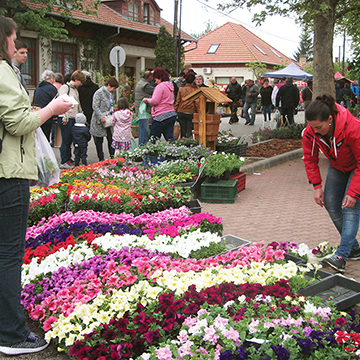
118,32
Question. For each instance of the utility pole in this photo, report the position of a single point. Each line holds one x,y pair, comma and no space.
177,34
343,63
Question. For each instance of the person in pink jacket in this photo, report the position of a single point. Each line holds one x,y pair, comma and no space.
162,110
336,132
121,121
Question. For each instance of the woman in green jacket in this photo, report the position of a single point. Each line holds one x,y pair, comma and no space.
17,167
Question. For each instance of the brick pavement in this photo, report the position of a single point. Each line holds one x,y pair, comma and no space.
278,205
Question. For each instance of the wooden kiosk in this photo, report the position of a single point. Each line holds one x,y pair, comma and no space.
206,125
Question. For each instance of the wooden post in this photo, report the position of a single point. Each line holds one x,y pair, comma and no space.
202,120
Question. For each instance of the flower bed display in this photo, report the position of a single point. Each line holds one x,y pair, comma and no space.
109,276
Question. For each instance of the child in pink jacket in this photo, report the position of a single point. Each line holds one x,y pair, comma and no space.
121,121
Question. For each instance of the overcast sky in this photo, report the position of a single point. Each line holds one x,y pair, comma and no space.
280,32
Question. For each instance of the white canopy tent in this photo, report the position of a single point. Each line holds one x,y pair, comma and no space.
291,70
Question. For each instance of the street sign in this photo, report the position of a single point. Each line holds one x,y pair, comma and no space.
117,59
117,56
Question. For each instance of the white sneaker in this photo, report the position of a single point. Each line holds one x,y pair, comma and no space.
66,166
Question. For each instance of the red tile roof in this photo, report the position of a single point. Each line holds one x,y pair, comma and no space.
236,45
108,17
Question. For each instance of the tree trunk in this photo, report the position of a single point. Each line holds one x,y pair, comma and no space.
323,81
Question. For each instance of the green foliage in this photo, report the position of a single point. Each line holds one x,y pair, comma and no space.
217,164
209,26
257,67
288,132
207,251
305,47
39,20
165,51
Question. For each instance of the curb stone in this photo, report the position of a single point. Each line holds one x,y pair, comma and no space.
273,161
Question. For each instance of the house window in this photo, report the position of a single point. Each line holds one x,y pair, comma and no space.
276,53
213,48
149,14
28,68
133,10
262,51
64,57
226,80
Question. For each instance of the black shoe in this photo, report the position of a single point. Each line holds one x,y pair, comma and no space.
354,254
231,122
336,262
32,344
247,123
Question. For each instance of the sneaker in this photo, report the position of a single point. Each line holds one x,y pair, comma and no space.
336,262
354,254
66,165
32,344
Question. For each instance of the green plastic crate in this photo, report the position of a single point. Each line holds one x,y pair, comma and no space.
222,191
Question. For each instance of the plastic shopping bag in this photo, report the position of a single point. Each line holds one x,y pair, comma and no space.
277,115
143,113
48,168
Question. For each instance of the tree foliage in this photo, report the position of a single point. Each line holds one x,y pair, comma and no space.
257,67
305,47
323,16
36,16
165,51
209,26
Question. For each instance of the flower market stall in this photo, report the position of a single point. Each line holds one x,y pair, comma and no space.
117,267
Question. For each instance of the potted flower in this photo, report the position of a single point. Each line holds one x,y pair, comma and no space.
219,163
225,140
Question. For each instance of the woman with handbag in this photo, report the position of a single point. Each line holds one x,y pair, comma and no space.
17,166
100,126
66,121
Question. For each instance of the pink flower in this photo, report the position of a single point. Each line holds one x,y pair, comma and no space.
211,335
164,353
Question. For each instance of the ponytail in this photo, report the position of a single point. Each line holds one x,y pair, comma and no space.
321,108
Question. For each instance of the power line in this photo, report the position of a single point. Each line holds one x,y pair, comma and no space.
244,24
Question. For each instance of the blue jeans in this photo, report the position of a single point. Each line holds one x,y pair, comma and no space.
251,106
267,110
14,210
66,139
346,220
143,131
165,128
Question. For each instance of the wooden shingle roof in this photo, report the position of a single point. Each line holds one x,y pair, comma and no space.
236,45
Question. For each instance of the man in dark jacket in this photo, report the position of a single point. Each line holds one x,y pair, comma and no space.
44,93
233,92
81,136
289,96
252,93
86,92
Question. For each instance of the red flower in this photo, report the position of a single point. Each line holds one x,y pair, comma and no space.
342,337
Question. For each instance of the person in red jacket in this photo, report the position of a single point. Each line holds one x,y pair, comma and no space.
336,132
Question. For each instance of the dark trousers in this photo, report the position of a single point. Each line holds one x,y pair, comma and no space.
165,128
14,210
289,113
186,124
80,153
46,128
66,139
233,109
99,144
